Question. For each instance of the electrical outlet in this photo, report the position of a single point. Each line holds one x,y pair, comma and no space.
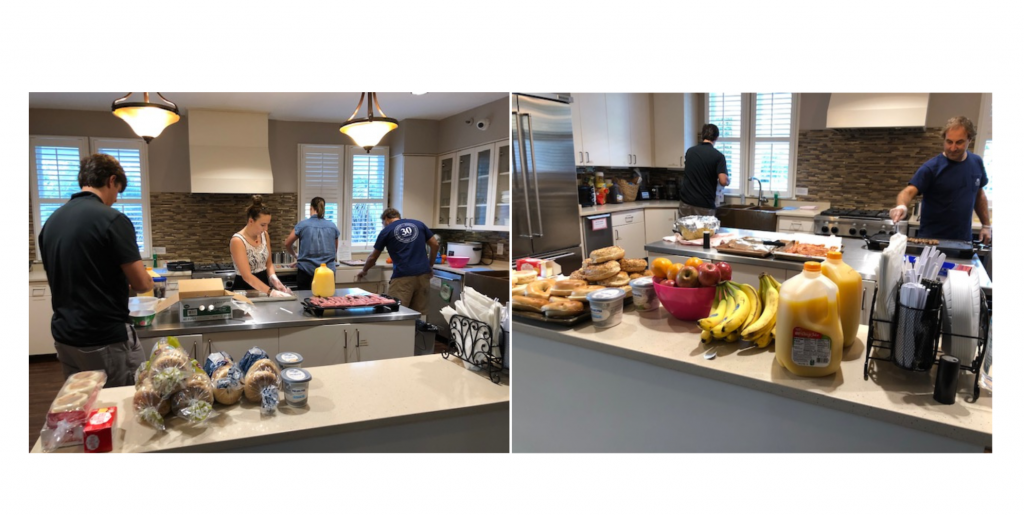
801,191
501,249
159,250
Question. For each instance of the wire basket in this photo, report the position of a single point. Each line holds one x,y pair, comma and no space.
629,191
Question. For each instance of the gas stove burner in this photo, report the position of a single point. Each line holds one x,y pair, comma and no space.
856,223
856,213
214,267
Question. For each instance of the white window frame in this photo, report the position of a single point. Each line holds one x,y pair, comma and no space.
740,175
350,152
304,194
86,146
984,135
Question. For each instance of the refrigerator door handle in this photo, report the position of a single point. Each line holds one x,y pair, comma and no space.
560,256
526,193
536,187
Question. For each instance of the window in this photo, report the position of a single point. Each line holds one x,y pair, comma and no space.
984,138
54,178
358,189
758,138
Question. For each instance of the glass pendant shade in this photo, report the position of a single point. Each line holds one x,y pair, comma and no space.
367,132
147,119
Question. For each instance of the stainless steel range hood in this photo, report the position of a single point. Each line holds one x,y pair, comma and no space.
877,110
228,152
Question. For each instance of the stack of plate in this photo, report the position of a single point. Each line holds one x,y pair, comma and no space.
962,294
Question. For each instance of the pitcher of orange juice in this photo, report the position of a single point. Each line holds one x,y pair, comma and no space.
808,331
851,287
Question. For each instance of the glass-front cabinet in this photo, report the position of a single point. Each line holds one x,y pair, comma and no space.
474,188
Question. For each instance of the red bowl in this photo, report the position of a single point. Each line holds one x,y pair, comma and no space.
457,261
686,303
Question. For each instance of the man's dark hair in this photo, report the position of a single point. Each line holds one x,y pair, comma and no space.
95,171
709,132
390,213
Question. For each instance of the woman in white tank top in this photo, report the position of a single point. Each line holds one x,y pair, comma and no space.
250,252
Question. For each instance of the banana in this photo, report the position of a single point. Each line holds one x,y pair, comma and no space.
736,316
771,308
733,337
774,283
764,340
755,302
705,337
717,312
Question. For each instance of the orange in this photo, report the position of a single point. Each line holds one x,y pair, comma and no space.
694,262
660,267
673,271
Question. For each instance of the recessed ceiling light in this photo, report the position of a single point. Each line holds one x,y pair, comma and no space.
415,93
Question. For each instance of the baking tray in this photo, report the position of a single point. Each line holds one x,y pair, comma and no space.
568,321
782,254
953,249
377,308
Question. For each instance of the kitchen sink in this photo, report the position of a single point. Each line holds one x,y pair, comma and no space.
748,217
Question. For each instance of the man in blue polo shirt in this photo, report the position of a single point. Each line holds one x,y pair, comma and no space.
406,241
953,187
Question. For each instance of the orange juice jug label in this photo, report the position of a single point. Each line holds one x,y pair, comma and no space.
810,348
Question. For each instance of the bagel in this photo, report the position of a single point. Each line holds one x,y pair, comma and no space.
228,395
633,265
607,254
171,359
539,289
565,287
198,387
619,279
523,303
578,275
580,293
645,273
264,364
256,381
594,273
563,308
519,289
147,397
525,276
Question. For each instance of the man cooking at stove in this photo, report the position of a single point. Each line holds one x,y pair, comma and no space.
705,172
953,187
405,240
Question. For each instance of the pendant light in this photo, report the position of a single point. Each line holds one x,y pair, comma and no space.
147,119
368,131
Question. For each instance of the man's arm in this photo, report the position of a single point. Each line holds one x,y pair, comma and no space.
900,211
371,261
723,179
289,244
981,208
138,279
434,247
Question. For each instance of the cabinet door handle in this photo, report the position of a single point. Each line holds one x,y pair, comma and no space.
581,157
863,295
680,160
346,343
588,157
616,235
357,337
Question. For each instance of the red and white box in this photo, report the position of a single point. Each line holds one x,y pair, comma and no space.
98,434
534,263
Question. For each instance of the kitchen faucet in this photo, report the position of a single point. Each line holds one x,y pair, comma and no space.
760,193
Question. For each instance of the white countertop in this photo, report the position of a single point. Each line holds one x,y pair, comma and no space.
497,265
342,398
890,394
671,204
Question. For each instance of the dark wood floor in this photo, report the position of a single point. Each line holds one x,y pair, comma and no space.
44,381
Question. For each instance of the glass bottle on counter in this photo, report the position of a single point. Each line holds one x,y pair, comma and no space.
851,287
808,332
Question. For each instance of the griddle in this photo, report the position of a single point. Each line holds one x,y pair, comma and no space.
318,311
955,249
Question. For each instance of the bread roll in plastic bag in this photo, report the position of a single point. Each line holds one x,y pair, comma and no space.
150,406
262,383
70,410
194,402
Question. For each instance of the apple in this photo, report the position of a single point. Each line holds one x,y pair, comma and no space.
688,277
709,274
668,282
725,269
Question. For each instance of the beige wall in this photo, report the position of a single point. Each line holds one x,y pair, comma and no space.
456,134
416,137
941,107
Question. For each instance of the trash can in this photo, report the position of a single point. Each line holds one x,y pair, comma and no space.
425,336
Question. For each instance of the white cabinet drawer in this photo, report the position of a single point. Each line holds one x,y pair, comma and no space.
627,218
38,290
796,225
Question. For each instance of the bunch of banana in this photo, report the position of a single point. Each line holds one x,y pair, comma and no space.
736,307
762,330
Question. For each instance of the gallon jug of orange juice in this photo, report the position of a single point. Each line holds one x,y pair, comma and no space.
323,281
808,333
851,287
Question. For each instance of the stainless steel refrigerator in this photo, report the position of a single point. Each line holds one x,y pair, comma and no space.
545,197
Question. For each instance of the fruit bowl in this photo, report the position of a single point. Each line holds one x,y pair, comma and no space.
457,261
689,304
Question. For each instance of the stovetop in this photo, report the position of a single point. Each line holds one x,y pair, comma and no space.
856,213
214,267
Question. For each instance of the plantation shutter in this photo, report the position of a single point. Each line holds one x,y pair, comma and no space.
368,173
321,171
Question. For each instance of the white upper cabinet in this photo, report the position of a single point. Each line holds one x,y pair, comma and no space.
474,188
669,130
445,174
612,129
640,128
590,129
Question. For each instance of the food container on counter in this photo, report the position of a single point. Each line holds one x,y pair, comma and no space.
142,318
289,360
606,306
159,287
295,382
690,304
644,297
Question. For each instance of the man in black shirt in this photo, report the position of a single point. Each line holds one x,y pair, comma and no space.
91,259
705,171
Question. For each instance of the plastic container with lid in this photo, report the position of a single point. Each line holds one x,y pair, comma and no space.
808,332
289,360
323,281
644,296
606,306
160,287
851,287
295,382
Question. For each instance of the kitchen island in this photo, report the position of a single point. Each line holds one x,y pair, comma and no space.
415,404
645,386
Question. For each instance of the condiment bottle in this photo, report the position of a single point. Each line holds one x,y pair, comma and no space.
808,332
851,287
323,281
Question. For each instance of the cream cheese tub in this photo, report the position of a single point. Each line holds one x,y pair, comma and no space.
644,297
289,360
295,383
606,306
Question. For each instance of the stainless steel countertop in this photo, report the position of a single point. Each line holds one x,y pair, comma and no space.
270,315
855,254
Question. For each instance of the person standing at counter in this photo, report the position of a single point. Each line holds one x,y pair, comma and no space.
953,187
91,259
705,172
314,234
250,252
405,240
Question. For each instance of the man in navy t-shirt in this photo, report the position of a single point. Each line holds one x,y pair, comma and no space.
953,186
406,242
